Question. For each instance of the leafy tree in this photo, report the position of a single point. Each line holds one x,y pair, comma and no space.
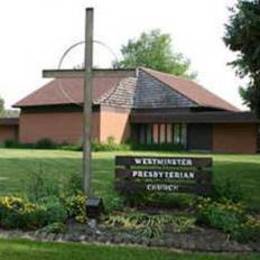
1,106
243,36
154,50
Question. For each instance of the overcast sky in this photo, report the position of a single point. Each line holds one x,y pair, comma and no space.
35,33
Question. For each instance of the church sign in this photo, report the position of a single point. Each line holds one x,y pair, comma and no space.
163,174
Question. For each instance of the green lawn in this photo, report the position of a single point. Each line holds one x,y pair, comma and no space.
25,250
16,165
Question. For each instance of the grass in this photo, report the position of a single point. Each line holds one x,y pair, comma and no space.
17,165
24,250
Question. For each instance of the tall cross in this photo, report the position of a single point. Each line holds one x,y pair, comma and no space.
88,82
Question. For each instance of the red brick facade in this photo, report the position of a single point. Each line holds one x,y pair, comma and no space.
67,127
235,138
115,124
58,126
8,132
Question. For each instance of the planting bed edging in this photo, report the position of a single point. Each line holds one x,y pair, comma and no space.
207,240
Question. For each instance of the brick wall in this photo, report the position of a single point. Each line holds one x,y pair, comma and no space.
234,138
116,124
58,126
8,132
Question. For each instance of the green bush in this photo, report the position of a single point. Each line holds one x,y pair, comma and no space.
109,145
75,206
157,147
16,212
229,189
73,184
39,185
45,143
54,228
55,211
15,144
229,217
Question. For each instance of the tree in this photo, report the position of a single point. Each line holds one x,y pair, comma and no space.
1,106
154,50
243,36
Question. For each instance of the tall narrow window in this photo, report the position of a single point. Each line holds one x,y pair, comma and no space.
184,135
149,132
142,134
162,133
169,133
177,132
155,134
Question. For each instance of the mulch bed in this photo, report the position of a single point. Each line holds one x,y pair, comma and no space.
199,239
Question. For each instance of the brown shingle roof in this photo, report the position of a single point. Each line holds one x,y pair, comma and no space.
192,90
67,91
109,90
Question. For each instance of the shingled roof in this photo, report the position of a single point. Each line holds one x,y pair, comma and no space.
158,91
191,90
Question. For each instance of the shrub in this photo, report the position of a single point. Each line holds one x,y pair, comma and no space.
15,144
230,217
229,189
45,143
73,184
115,203
55,211
16,212
76,207
157,147
247,231
9,143
109,145
39,186
55,228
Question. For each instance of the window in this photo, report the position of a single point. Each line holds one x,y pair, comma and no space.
180,134
149,134
169,133
162,133
155,134
177,134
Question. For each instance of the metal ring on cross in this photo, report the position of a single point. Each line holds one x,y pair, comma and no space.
65,54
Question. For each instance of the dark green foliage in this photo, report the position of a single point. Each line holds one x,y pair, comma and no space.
74,184
45,143
229,217
242,36
15,144
55,211
16,212
157,147
116,203
54,228
154,50
2,108
109,145
228,189
40,186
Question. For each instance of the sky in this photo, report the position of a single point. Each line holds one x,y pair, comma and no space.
35,34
